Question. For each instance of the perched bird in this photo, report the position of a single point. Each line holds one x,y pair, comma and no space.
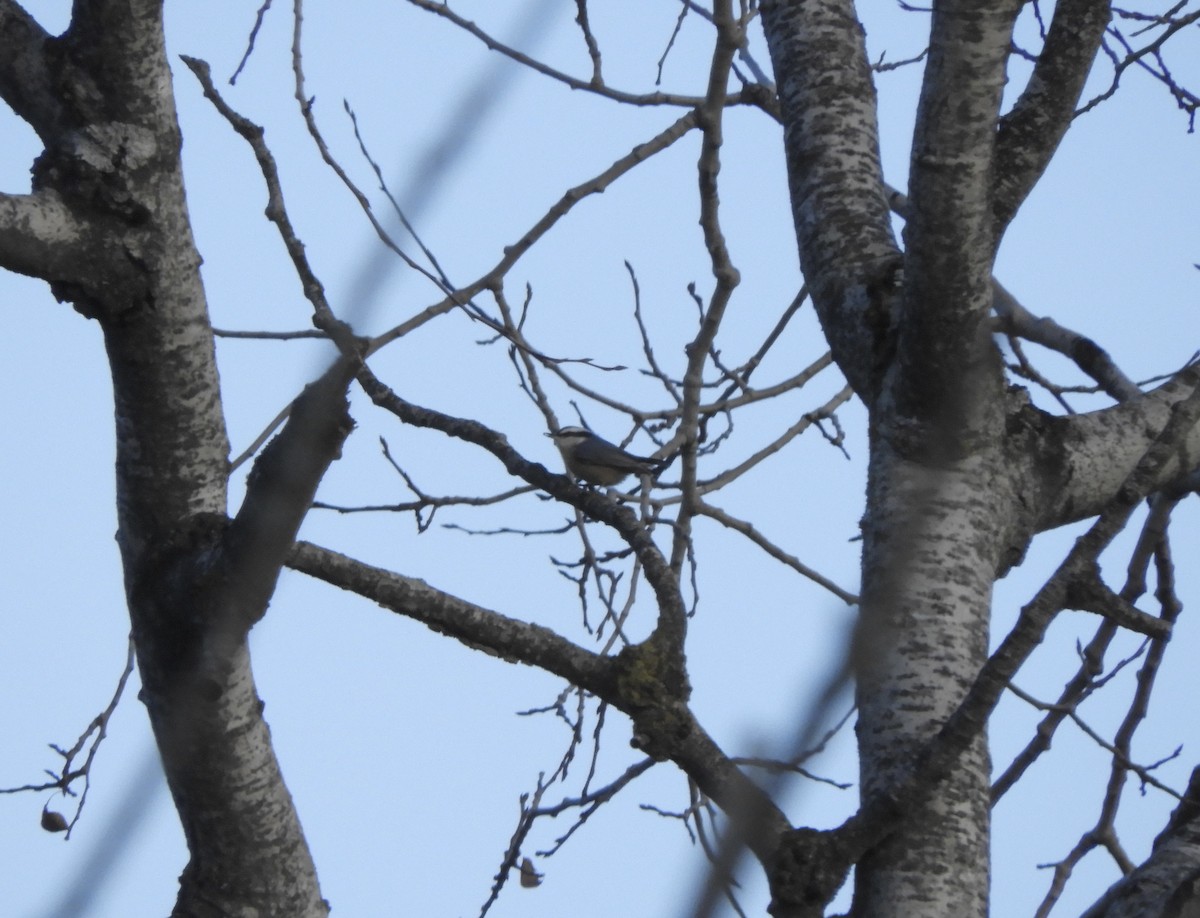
593,459
529,875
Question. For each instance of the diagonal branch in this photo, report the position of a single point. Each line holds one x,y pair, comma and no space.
26,81
847,248
280,490
508,638
314,290
571,197
1091,594
1152,541
1166,882
597,506
670,730
1092,359
594,85
748,529
1030,133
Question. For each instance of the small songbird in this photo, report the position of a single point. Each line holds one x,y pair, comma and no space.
529,875
593,459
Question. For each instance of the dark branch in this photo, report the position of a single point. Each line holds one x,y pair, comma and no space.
280,490
27,82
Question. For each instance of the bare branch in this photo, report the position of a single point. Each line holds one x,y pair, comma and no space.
1030,133
1150,542
306,110
314,291
271,336
805,422
482,629
1172,26
750,532
68,773
27,82
280,490
1088,356
581,17
258,21
724,273
561,208
599,88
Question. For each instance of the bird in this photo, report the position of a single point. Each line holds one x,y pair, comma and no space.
596,461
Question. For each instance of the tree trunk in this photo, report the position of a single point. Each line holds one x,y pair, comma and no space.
107,225
931,539
909,331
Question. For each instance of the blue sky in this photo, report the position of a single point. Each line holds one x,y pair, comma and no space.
401,747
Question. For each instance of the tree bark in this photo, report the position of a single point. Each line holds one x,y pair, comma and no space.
107,226
910,333
963,471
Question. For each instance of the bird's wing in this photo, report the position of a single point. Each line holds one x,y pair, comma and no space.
599,452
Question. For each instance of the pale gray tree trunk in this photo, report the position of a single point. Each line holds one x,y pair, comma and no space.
106,223
951,492
912,342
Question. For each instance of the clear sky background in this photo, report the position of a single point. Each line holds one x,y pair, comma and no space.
401,747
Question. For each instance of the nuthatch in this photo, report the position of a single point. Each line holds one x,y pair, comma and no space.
595,460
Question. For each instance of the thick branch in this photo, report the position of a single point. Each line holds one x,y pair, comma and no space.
1030,133
508,638
26,82
1087,354
41,236
754,814
668,728
948,234
847,250
1081,461
280,491
1015,319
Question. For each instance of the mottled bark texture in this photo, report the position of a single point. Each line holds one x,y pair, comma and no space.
963,471
106,224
